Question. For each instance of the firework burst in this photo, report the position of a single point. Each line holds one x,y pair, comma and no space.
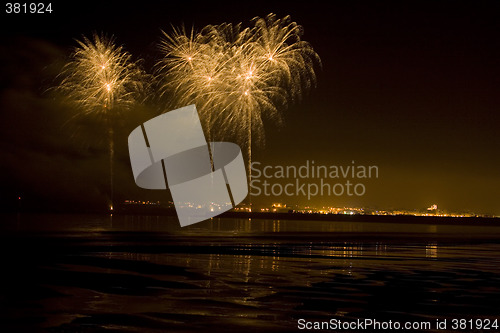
101,80
238,76
101,77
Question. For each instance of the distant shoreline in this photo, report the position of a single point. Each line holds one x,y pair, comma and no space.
407,219
397,219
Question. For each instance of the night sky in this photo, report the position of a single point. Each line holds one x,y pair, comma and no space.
409,86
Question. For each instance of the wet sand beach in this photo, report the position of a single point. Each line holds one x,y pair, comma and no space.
101,273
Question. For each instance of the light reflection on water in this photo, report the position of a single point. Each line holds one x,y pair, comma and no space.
144,273
102,223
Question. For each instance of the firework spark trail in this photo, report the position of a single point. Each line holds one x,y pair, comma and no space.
101,80
111,164
238,76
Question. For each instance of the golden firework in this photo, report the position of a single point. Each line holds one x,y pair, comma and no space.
101,77
238,76
101,80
